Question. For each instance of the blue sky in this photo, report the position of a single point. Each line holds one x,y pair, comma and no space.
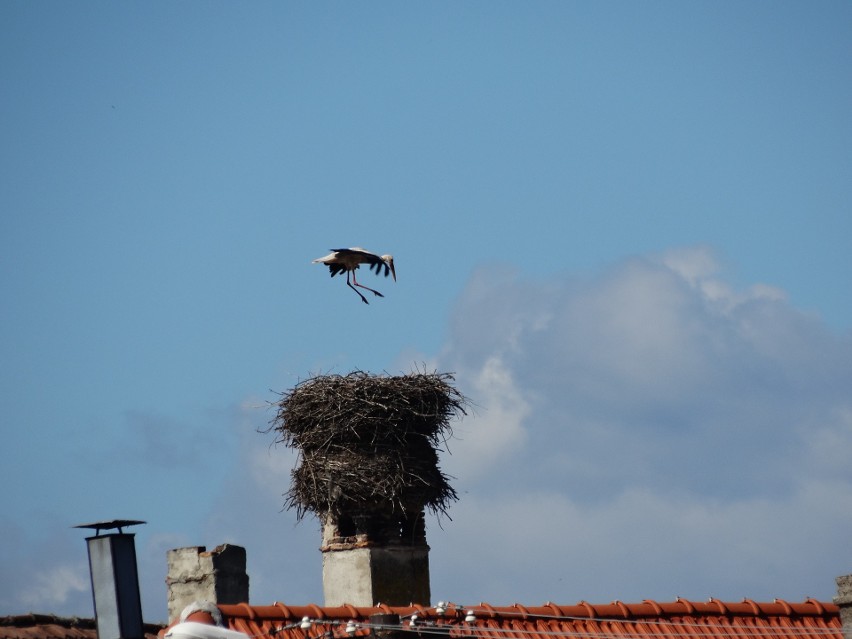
624,226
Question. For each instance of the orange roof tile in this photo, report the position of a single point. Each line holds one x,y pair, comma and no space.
681,619
38,626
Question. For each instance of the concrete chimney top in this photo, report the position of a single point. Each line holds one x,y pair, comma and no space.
195,574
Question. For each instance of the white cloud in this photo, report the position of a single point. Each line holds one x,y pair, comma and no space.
694,264
41,576
542,545
670,434
53,587
502,411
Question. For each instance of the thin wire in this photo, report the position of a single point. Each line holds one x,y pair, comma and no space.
616,620
719,631
747,630
661,622
728,631
478,631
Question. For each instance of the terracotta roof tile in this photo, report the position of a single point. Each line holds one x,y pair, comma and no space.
38,626
680,619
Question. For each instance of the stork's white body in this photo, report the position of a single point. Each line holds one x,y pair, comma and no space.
348,260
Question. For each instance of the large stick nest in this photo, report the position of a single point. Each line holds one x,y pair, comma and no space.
369,444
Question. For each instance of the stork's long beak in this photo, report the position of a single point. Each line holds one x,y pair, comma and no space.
393,270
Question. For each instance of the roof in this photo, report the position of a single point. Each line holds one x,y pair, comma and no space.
649,619
37,626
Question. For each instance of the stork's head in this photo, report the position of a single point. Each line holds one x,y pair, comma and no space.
388,259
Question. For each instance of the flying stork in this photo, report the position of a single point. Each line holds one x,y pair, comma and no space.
349,259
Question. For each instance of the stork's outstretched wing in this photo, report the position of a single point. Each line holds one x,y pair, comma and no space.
377,266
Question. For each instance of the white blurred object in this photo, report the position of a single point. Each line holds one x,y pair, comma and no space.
196,630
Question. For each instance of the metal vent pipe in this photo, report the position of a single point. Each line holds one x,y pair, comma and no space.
115,581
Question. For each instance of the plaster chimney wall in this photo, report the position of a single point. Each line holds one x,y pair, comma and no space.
362,571
195,574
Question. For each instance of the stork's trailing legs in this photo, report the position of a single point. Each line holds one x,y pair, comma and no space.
354,281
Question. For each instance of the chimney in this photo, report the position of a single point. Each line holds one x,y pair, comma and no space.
368,470
367,565
218,576
115,581
844,602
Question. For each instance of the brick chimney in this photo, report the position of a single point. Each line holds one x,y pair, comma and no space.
194,574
